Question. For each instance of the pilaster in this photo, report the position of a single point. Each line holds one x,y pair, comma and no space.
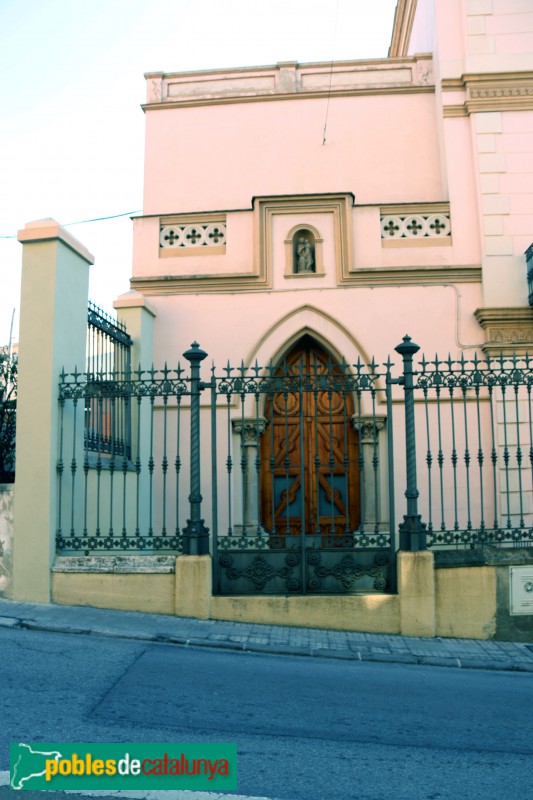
53,331
416,588
250,430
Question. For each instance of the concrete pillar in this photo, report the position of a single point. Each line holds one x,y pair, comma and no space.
193,586
136,313
416,588
53,331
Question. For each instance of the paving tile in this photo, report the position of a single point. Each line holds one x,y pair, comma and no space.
237,636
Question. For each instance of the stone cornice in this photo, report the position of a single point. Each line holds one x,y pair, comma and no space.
452,84
413,276
455,111
186,284
133,299
505,91
289,81
43,230
217,101
402,28
375,276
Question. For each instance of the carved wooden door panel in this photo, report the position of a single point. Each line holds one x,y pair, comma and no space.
309,452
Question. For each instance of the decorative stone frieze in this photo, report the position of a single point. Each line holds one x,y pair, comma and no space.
508,330
415,226
197,235
508,91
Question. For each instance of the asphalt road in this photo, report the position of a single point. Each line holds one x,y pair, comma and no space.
306,729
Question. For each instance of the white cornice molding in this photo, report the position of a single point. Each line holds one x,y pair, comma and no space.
499,91
402,28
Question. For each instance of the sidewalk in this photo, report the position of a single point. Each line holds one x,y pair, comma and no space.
273,639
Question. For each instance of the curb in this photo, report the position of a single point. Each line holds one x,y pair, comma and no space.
359,655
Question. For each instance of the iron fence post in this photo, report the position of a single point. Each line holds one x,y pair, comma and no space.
412,529
214,478
392,500
195,533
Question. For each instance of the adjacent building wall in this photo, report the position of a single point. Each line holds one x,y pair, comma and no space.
6,539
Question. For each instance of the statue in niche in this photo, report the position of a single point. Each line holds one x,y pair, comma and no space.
305,261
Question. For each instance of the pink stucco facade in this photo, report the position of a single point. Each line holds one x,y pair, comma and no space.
442,129
299,220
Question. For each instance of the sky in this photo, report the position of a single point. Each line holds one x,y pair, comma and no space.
72,85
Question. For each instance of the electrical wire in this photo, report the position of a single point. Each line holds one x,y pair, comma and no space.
330,73
83,221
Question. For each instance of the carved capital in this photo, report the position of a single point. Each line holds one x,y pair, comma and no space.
250,429
368,427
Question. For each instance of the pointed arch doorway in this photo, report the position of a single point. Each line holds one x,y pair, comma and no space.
309,450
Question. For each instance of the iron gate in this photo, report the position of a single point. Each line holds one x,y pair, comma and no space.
304,515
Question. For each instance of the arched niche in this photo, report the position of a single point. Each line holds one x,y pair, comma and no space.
309,333
303,252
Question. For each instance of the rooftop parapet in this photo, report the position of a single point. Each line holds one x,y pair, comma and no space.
289,80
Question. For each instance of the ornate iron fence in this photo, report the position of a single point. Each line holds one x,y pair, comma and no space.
107,421
114,497
300,465
475,428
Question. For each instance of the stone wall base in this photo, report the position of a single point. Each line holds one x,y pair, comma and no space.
461,601
151,593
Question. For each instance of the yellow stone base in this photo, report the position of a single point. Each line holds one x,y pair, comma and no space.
374,613
193,586
416,588
458,602
466,602
151,593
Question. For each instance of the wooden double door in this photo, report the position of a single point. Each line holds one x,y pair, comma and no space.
309,450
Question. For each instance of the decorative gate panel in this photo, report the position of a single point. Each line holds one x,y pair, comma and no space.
283,572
